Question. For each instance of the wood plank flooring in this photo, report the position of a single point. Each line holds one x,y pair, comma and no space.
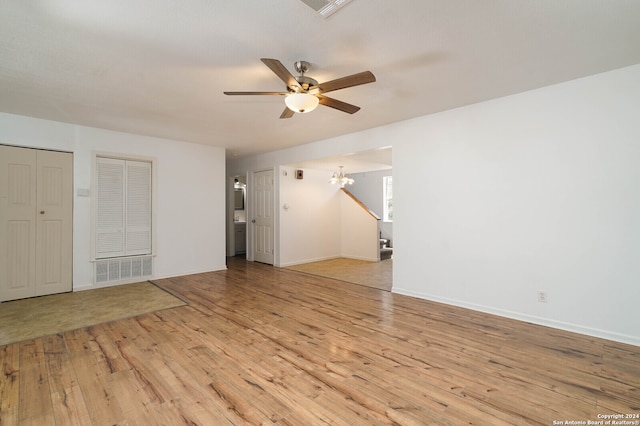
263,345
372,274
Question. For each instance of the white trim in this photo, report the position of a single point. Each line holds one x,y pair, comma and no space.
561,325
215,269
301,262
151,278
321,259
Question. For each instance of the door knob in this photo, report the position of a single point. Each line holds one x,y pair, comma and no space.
41,211
253,221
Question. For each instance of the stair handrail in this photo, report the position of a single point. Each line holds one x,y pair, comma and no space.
360,203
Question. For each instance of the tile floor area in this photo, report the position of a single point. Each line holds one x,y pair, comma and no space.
41,316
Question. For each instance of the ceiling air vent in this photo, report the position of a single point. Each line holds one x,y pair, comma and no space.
325,8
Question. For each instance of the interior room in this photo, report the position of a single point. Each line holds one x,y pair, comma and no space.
316,201
183,153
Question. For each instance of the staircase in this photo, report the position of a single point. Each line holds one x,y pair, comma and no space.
354,214
386,252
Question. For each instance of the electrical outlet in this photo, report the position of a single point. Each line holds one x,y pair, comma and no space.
542,296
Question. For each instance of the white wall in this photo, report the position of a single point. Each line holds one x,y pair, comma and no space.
353,142
359,231
368,188
496,201
537,191
310,227
318,223
190,193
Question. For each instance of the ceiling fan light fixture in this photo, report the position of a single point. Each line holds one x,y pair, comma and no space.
301,102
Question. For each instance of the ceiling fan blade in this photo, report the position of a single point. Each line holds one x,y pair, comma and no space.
339,105
256,93
287,113
280,70
344,82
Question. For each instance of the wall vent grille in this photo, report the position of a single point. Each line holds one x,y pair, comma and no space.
326,8
123,269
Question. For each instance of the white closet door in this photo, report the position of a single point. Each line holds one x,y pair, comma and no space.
54,222
110,208
138,208
17,222
123,208
36,190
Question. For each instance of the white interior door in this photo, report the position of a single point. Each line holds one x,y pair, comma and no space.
36,189
263,216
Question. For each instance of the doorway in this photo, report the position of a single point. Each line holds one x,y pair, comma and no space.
371,172
238,224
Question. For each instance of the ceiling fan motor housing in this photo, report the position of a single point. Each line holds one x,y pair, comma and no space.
304,81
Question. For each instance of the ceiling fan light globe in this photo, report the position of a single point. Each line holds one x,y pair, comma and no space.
301,102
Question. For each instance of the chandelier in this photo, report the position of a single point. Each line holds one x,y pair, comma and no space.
341,178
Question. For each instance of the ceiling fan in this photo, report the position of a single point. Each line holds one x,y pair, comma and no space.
304,93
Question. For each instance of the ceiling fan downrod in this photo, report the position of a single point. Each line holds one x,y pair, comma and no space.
305,82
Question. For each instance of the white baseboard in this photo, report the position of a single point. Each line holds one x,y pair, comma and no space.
300,262
150,278
320,259
183,273
366,259
575,328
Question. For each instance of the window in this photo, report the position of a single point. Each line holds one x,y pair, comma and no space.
387,190
123,208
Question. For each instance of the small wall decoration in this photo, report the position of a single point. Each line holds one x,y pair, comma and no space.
299,174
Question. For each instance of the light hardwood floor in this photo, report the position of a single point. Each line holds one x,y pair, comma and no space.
372,274
262,345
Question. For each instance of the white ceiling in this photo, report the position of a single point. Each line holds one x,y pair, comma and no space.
159,67
353,162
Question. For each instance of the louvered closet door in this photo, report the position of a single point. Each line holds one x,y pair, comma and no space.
138,208
110,207
35,222
123,208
